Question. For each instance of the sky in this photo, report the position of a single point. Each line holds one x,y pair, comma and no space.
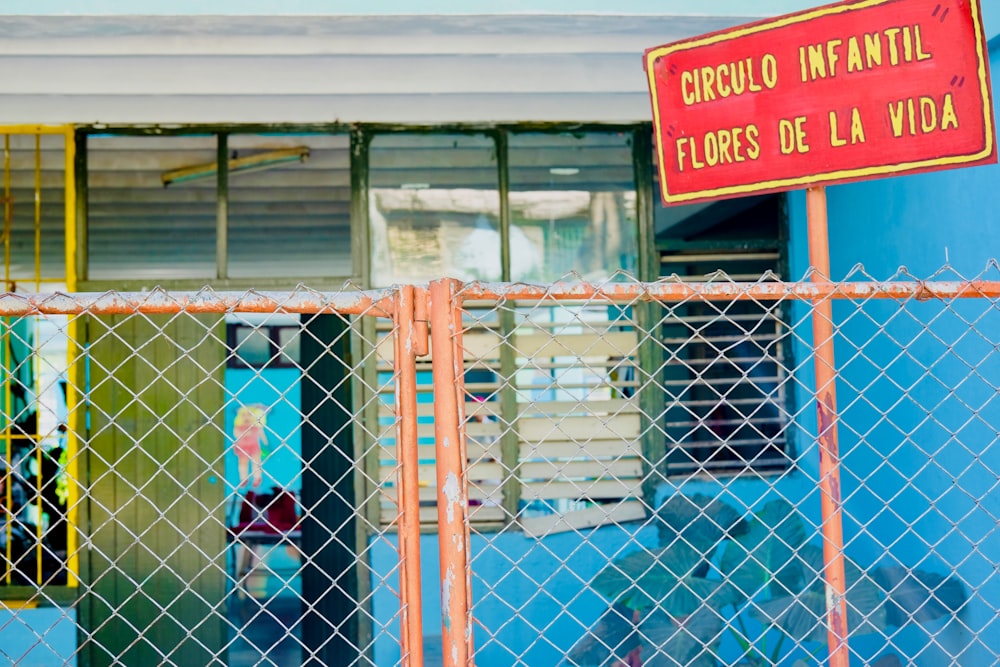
252,7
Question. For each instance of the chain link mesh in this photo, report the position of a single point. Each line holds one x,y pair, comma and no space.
213,478
183,486
660,467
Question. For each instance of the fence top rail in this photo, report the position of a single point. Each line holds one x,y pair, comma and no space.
676,290
377,303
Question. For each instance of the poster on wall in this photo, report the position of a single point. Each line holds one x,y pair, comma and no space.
845,92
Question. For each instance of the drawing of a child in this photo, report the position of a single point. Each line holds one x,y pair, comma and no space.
248,430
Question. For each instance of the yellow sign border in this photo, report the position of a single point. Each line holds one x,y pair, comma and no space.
843,174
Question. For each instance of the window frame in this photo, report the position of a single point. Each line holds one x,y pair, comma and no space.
647,265
220,279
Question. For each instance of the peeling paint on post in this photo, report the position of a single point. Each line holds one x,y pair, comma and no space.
447,584
452,480
451,495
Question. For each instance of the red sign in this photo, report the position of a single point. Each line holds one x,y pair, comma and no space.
850,91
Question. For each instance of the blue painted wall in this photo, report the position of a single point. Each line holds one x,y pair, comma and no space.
531,596
42,637
924,443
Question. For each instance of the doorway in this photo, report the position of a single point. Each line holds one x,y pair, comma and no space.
292,515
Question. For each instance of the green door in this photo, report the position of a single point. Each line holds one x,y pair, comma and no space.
154,569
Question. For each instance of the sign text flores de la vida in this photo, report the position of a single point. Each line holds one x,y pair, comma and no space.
845,92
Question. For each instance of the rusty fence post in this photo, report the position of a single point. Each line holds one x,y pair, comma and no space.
829,454
407,344
452,480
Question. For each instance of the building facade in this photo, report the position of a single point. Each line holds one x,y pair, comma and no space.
403,145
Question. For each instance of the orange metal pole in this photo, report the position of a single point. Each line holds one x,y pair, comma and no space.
452,482
161,302
458,349
380,304
669,291
826,407
408,482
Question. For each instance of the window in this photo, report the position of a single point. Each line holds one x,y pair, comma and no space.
156,210
136,226
35,486
263,345
292,218
725,364
573,209
434,208
34,173
572,201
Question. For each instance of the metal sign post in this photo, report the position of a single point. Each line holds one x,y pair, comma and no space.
829,455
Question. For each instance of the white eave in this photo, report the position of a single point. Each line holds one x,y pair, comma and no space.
324,69
445,61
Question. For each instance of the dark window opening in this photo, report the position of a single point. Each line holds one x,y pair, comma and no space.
260,346
726,363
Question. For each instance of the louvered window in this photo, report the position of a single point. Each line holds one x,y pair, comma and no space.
726,363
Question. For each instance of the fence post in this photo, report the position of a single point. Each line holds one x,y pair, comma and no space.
408,479
452,480
829,455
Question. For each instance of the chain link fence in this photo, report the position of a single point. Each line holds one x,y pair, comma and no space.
183,485
615,475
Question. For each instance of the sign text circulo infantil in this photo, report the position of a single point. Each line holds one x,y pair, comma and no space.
846,92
